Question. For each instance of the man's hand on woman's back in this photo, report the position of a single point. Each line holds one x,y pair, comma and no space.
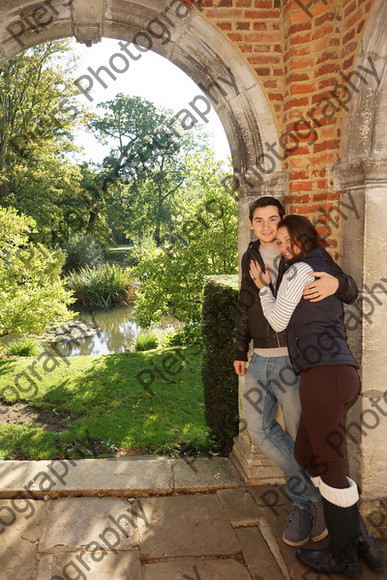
325,285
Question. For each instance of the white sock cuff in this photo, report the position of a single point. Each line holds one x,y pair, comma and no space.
340,497
316,480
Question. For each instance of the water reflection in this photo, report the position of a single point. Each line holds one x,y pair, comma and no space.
117,333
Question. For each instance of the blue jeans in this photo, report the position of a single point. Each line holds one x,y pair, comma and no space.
268,381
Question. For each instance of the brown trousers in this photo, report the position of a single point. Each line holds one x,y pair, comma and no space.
325,393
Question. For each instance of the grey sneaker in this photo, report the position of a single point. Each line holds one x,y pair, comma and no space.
298,526
319,529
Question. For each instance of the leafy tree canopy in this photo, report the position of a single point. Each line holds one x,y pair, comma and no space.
146,167
36,129
203,242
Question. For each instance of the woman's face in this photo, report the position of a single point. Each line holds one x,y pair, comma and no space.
284,243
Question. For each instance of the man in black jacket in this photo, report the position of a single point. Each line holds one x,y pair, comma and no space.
270,378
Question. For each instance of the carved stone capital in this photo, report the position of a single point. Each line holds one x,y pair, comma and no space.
275,184
360,173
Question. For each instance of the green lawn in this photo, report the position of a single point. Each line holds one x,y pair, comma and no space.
106,405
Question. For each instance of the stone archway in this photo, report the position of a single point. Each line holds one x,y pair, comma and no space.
208,57
363,173
195,46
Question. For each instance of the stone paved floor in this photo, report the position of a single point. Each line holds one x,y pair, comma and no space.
219,534
226,535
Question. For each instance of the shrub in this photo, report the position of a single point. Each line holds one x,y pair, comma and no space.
103,287
32,292
82,250
189,335
146,341
220,382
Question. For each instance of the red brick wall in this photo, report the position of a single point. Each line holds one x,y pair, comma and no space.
298,59
254,27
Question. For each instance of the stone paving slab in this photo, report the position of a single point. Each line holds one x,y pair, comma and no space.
188,525
101,565
240,507
21,518
18,561
76,523
196,569
257,554
106,475
202,473
20,529
86,476
41,476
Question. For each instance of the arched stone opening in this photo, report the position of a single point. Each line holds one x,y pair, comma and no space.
208,58
195,46
191,43
363,173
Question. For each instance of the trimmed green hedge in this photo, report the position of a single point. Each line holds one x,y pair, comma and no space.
220,381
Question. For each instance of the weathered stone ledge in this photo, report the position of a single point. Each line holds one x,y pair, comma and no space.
124,477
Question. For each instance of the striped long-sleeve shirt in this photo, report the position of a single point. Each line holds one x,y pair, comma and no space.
278,311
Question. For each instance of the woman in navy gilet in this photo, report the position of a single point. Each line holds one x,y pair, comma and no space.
329,383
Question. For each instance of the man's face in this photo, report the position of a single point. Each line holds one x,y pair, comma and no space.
265,222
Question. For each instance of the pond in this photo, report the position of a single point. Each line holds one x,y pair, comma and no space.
117,333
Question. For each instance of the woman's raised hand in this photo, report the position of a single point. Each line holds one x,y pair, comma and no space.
261,279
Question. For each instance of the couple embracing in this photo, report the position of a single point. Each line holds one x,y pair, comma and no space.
290,305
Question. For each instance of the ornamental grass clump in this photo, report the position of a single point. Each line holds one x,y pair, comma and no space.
27,347
103,287
147,340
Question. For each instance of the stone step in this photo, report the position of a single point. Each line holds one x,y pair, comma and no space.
124,477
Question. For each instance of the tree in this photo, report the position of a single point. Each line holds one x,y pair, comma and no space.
31,292
35,138
203,242
48,189
146,166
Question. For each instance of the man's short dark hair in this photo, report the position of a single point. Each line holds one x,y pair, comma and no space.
264,202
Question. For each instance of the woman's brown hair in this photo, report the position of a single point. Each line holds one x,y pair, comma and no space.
302,233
